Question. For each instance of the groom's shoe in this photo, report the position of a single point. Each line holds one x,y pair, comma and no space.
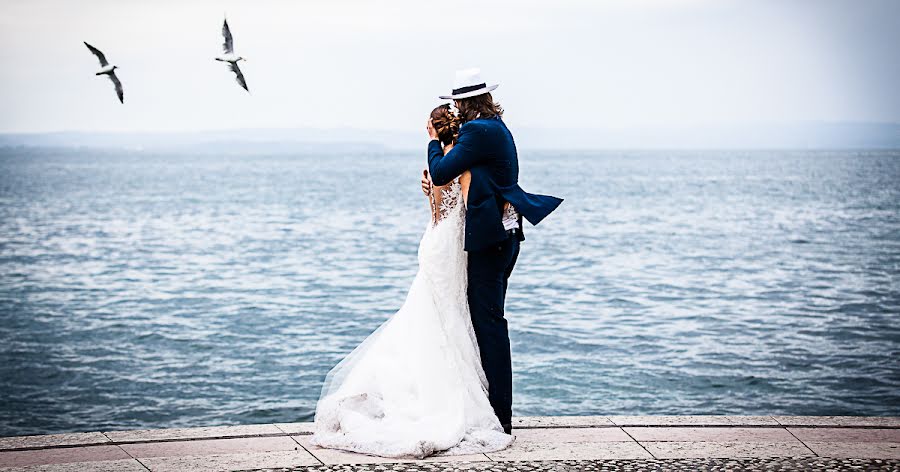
507,428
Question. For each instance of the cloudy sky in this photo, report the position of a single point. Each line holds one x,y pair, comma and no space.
381,64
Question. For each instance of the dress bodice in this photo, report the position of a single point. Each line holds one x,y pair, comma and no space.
451,198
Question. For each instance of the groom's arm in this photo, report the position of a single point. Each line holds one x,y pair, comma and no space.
461,158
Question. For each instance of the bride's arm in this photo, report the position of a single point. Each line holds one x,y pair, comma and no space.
464,180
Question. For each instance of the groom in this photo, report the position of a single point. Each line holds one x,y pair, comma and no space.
494,211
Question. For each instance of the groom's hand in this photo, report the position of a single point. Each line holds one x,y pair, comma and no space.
431,132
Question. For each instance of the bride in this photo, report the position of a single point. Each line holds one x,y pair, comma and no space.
415,386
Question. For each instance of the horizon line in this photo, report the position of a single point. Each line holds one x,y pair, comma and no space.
529,127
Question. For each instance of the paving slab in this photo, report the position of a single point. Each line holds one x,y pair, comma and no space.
768,464
560,421
558,435
847,434
707,420
745,420
845,421
531,451
870,450
228,462
570,438
704,434
337,456
146,435
61,455
53,440
688,449
201,447
296,428
125,465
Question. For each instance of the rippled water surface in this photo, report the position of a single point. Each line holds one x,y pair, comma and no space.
141,290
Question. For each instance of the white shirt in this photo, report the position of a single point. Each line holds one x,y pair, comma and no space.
510,218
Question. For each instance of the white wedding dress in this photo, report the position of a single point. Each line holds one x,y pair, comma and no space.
415,386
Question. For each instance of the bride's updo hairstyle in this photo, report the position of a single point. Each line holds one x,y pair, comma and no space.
445,123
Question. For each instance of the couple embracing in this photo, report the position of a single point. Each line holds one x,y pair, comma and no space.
437,375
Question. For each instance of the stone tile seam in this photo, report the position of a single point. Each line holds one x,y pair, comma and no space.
129,454
149,441
321,463
801,441
56,446
821,425
638,443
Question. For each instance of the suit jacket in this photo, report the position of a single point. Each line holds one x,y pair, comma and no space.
486,148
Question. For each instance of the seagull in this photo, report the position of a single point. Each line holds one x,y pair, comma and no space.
230,57
108,70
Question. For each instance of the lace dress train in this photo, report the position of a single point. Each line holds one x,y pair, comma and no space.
415,386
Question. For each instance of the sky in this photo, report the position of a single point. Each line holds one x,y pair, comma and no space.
381,64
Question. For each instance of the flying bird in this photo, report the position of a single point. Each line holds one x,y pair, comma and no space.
108,70
230,57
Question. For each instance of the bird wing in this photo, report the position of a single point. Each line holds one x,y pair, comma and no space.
238,74
98,54
118,84
228,45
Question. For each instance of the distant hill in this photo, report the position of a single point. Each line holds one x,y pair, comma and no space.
810,135
224,141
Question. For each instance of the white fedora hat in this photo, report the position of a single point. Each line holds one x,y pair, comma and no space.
468,83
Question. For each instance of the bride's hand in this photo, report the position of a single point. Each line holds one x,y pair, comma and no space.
431,132
426,183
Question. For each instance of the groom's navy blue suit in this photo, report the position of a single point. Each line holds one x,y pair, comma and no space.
486,148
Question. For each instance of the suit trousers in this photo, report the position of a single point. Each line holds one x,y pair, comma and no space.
488,271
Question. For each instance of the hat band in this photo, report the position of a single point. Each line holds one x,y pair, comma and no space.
468,88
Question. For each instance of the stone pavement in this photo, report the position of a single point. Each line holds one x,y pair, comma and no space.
591,443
